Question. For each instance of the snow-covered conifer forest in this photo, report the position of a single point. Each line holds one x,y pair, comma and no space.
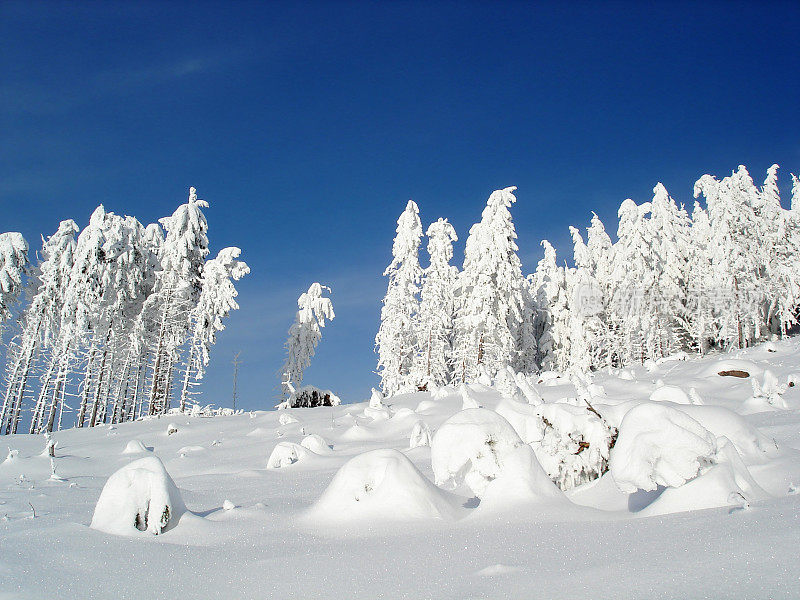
725,276
622,423
116,322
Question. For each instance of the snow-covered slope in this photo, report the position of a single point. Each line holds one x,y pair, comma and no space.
347,510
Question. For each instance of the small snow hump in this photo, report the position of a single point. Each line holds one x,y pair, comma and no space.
384,485
139,497
285,454
135,447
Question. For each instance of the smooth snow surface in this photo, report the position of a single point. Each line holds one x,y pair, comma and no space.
297,531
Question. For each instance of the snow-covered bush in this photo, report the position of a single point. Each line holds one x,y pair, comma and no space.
420,435
659,445
382,484
770,390
285,454
571,442
470,448
309,396
139,497
575,444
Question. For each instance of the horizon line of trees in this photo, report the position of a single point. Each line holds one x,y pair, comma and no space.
725,276
118,319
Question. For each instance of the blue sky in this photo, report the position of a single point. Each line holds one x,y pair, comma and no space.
307,126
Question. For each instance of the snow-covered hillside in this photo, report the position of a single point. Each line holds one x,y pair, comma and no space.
415,497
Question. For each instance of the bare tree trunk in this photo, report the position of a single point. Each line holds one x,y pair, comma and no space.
187,374
157,368
121,396
58,389
38,412
136,408
11,384
100,376
87,380
26,371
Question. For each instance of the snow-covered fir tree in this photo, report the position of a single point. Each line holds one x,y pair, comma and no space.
177,289
490,294
217,298
735,248
314,310
396,342
434,361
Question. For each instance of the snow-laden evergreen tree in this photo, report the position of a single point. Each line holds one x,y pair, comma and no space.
633,283
548,289
177,290
600,250
128,246
587,328
701,307
735,248
43,320
434,361
304,335
396,342
217,299
490,294
669,231
782,288
13,262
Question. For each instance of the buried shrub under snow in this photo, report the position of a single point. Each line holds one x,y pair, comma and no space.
382,484
139,497
572,443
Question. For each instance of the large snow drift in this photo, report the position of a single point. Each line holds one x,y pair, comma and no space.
383,485
139,497
659,445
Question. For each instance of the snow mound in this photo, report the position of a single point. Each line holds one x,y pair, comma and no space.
285,454
315,443
471,448
670,393
659,445
442,392
139,497
383,485
522,480
420,435
285,419
722,422
425,405
725,483
135,447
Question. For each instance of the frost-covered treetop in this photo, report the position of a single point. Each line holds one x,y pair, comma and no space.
406,243
441,236
13,260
